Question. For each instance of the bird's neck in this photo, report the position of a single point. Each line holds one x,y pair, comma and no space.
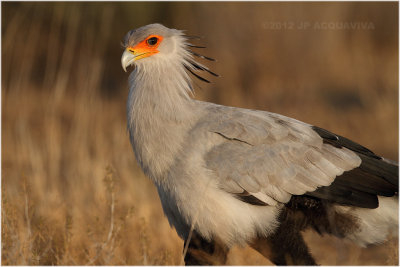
162,89
159,112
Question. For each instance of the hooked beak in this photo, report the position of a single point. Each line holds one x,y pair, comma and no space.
127,59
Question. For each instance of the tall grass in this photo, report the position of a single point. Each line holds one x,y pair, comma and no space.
71,190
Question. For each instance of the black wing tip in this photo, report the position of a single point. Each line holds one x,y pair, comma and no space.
340,141
375,175
325,133
346,197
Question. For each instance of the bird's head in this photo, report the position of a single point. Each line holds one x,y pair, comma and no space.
155,43
150,42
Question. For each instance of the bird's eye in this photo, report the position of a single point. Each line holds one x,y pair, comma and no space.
152,41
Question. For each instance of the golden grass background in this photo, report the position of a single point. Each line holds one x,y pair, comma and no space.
72,192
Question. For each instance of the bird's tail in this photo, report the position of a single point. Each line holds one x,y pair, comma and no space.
374,225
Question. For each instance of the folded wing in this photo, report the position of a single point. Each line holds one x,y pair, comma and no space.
266,158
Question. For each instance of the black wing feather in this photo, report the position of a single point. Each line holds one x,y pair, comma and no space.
345,195
359,186
250,199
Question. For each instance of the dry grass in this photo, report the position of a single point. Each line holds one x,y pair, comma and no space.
71,190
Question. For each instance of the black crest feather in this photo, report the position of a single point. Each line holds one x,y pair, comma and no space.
193,66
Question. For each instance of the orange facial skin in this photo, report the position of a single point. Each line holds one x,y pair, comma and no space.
144,49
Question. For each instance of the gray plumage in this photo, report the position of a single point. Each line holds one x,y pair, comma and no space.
202,156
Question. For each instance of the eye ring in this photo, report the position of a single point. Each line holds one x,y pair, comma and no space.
152,41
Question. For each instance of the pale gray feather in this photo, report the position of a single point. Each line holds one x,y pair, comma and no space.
266,153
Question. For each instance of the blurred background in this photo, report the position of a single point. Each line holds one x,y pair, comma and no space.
72,192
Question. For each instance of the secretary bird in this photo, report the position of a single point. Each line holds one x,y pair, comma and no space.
231,176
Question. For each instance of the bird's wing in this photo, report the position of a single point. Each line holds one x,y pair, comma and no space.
265,158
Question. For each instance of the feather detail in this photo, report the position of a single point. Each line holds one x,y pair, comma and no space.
201,67
196,75
193,37
195,46
191,65
201,56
